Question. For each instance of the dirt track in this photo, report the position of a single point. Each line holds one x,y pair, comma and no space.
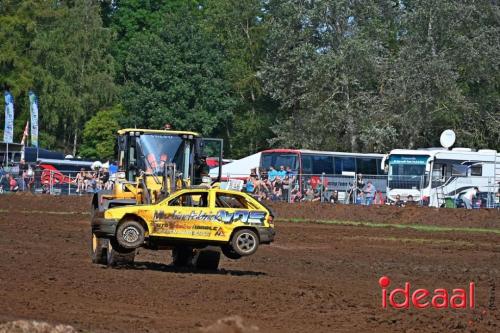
315,278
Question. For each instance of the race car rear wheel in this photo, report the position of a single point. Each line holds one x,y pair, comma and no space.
99,250
130,234
245,242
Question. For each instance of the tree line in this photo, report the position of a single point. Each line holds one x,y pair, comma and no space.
345,75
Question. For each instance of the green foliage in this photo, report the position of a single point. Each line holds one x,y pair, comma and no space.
241,27
377,75
99,134
177,77
60,50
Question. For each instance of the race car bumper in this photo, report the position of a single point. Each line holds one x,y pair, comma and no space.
266,235
102,227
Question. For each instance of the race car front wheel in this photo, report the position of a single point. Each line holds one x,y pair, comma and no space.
130,234
245,242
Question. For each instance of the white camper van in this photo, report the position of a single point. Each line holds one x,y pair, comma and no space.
429,175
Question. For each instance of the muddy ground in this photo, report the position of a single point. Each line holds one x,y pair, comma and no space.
314,278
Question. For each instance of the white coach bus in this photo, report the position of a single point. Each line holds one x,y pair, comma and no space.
429,175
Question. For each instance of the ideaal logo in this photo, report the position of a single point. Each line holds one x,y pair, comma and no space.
423,298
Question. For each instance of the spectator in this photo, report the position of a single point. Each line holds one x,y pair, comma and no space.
291,174
80,181
360,184
13,186
410,201
468,197
369,193
286,188
29,177
104,179
113,168
295,194
277,189
250,185
23,168
334,198
399,202
282,172
308,195
272,174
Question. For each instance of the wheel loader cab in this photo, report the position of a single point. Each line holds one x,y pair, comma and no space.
155,163
148,151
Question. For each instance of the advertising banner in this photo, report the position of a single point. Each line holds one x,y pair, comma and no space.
34,118
8,134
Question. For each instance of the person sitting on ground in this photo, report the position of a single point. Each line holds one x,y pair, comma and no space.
13,184
308,195
295,194
399,202
334,198
410,201
278,189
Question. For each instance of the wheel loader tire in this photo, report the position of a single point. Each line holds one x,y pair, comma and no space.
230,252
130,234
206,259
245,242
99,250
182,256
118,256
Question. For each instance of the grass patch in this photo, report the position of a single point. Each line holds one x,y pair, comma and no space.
418,227
415,240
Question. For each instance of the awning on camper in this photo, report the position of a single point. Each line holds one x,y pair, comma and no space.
238,169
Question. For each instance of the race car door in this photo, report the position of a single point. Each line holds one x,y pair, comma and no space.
187,216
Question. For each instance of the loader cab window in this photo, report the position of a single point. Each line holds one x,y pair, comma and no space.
156,150
196,199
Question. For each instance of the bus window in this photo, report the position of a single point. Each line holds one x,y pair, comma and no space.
366,166
279,159
322,163
345,164
307,168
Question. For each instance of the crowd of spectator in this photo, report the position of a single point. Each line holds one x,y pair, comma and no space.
26,177
283,184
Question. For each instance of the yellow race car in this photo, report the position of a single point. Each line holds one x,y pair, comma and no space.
196,224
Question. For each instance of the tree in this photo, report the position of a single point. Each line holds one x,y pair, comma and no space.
241,28
323,70
177,77
75,70
99,134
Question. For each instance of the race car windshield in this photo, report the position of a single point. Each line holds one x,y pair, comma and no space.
156,150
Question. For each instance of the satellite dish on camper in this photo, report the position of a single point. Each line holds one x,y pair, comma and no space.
447,138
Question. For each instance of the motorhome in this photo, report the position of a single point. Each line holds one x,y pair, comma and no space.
432,174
